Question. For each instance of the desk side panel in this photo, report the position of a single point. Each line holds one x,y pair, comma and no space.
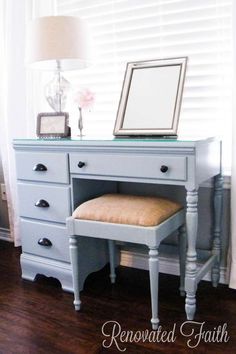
208,160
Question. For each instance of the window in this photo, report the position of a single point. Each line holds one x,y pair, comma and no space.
130,30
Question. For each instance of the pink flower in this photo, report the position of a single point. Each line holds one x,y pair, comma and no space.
84,98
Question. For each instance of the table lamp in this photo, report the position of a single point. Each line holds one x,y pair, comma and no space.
57,43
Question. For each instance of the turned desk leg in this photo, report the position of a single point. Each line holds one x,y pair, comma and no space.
154,275
191,261
216,247
182,257
111,247
74,256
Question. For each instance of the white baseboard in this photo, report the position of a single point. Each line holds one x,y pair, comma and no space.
5,234
168,265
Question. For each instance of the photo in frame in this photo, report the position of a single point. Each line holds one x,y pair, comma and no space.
151,98
53,125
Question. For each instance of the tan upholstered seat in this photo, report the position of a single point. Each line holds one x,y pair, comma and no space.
127,209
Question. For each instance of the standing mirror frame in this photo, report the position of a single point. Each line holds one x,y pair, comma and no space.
151,98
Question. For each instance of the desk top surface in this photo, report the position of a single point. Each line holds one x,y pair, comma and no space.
112,142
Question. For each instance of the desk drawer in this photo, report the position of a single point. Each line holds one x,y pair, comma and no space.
57,198
139,166
32,232
45,167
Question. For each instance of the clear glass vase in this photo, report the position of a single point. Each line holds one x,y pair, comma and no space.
80,123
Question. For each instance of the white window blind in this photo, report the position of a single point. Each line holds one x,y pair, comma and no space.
129,30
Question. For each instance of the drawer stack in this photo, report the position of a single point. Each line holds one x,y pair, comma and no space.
44,204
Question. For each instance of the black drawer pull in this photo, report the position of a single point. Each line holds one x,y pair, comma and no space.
164,169
39,167
81,164
44,242
41,203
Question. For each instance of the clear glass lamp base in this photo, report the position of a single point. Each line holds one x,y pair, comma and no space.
56,92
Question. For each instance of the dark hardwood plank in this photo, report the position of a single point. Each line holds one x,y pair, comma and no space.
39,317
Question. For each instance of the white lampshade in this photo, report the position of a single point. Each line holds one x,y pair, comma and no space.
58,38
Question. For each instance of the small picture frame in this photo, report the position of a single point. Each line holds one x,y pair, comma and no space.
53,125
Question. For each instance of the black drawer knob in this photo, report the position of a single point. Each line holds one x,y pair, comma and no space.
39,167
41,203
44,242
81,164
164,169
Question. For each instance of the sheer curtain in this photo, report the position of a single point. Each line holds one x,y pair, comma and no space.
232,281
13,98
16,117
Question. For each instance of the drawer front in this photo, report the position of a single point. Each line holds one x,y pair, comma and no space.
45,167
57,197
32,232
139,166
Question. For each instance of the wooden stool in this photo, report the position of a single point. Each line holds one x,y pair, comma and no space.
136,219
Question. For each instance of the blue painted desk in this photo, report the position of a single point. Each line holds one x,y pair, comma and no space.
55,176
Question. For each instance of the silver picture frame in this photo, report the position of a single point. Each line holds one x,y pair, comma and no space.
151,98
53,125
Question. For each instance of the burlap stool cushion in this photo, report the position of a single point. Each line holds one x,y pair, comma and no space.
127,209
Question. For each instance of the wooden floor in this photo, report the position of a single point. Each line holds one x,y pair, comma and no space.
39,317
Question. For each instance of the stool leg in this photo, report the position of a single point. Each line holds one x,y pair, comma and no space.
182,257
154,275
111,246
74,256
